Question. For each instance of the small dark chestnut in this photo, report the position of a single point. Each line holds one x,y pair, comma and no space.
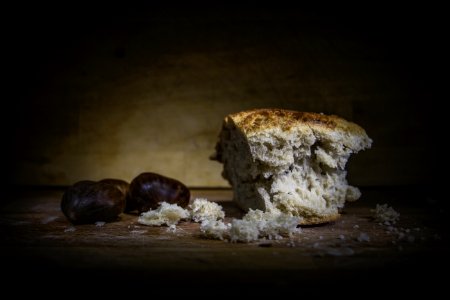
89,201
122,185
147,190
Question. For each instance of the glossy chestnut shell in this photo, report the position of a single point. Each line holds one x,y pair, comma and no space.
147,190
122,185
89,202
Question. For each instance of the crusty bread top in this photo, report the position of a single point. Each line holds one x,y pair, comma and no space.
259,120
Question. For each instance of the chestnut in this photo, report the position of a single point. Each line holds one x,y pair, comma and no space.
89,201
147,190
122,185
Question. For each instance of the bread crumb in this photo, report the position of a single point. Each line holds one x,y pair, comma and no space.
355,226
258,224
70,229
243,231
215,229
172,228
255,225
165,214
342,237
201,209
363,237
385,214
100,224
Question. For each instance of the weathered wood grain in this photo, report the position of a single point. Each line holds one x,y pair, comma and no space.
37,237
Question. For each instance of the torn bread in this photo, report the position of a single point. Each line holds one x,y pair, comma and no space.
291,162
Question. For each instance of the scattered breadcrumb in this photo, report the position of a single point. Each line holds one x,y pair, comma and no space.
258,224
363,237
255,225
342,237
355,226
70,229
202,209
165,214
100,224
385,214
172,228
243,231
215,229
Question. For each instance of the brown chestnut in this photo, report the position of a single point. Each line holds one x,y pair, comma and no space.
147,190
89,201
122,185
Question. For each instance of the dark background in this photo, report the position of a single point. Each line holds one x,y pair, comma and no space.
72,70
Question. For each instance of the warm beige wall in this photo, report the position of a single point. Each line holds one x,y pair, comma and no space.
124,98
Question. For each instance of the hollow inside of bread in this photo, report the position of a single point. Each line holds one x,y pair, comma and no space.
291,162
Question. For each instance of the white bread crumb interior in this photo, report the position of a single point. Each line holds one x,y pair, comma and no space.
255,225
165,214
201,210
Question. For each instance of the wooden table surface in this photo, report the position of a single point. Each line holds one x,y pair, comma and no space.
37,238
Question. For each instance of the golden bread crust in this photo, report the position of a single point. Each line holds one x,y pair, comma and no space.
258,120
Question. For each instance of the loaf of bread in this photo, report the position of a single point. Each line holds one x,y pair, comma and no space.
290,162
